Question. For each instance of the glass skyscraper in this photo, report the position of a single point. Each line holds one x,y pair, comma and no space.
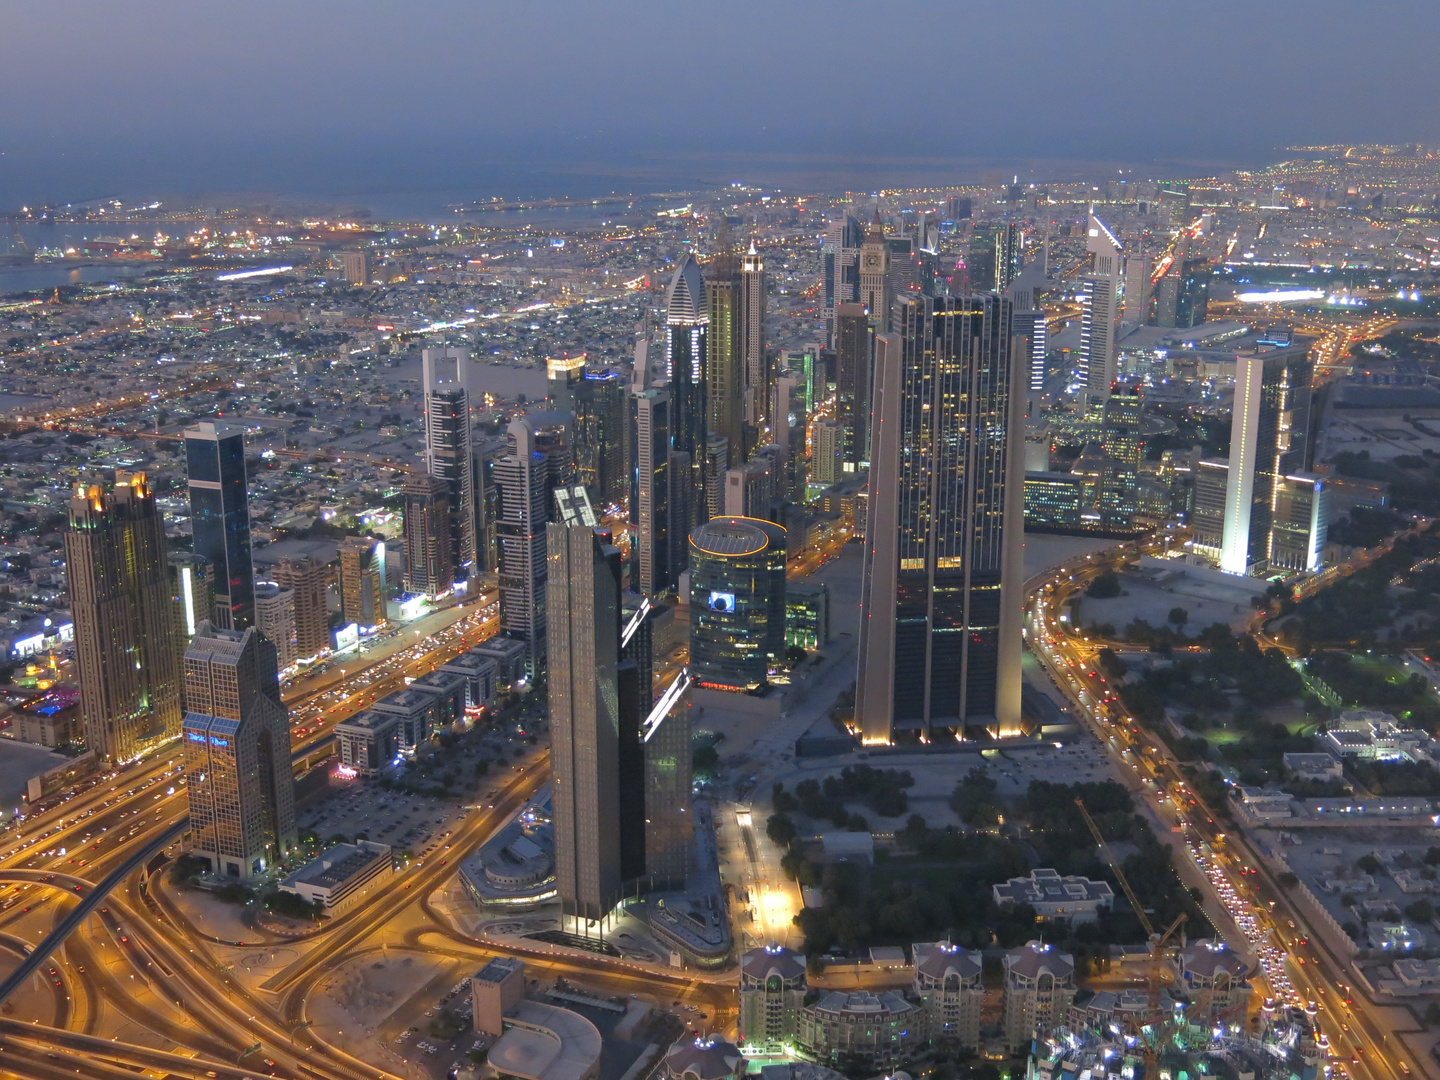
237,753
125,653
939,647
737,602
220,517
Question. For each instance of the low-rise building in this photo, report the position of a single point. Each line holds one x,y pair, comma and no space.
509,657
449,689
545,1042
1371,735
370,741
1394,937
1266,804
1055,897
339,875
1318,767
479,675
417,711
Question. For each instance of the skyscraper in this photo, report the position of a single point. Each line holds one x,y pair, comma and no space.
584,649
1027,323
853,339
1269,438
445,376
308,576
220,517
755,358
115,567
522,478
487,502
939,648
600,436
650,500
1009,244
669,826
827,452
725,351
1100,300
840,267
362,581
875,273
737,602
1120,480
192,597
429,569
237,753
687,329
1139,267
275,618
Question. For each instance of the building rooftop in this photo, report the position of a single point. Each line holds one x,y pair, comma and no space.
546,1042
1045,887
499,968
940,958
704,1059
772,959
336,865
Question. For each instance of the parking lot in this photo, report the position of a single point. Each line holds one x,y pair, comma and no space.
418,821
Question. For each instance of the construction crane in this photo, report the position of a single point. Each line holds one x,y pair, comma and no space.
1157,944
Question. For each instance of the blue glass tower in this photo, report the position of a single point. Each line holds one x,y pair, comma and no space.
220,515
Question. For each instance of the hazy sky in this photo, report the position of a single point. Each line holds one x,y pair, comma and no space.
332,95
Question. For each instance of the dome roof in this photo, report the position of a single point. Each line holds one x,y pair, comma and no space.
704,1058
773,959
734,537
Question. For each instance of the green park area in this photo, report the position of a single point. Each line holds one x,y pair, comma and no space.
934,883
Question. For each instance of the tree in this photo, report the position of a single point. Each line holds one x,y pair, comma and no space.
1368,863
705,761
1179,616
1104,587
1287,879
1421,911
1432,1014
781,830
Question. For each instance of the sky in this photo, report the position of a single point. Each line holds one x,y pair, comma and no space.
429,98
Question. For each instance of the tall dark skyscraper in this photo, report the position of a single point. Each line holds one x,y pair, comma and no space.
725,352
687,329
600,437
429,554
445,378
754,356
852,382
522,477
939,648
237,753
650,563
584,653
125,654
1120,478
220,517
